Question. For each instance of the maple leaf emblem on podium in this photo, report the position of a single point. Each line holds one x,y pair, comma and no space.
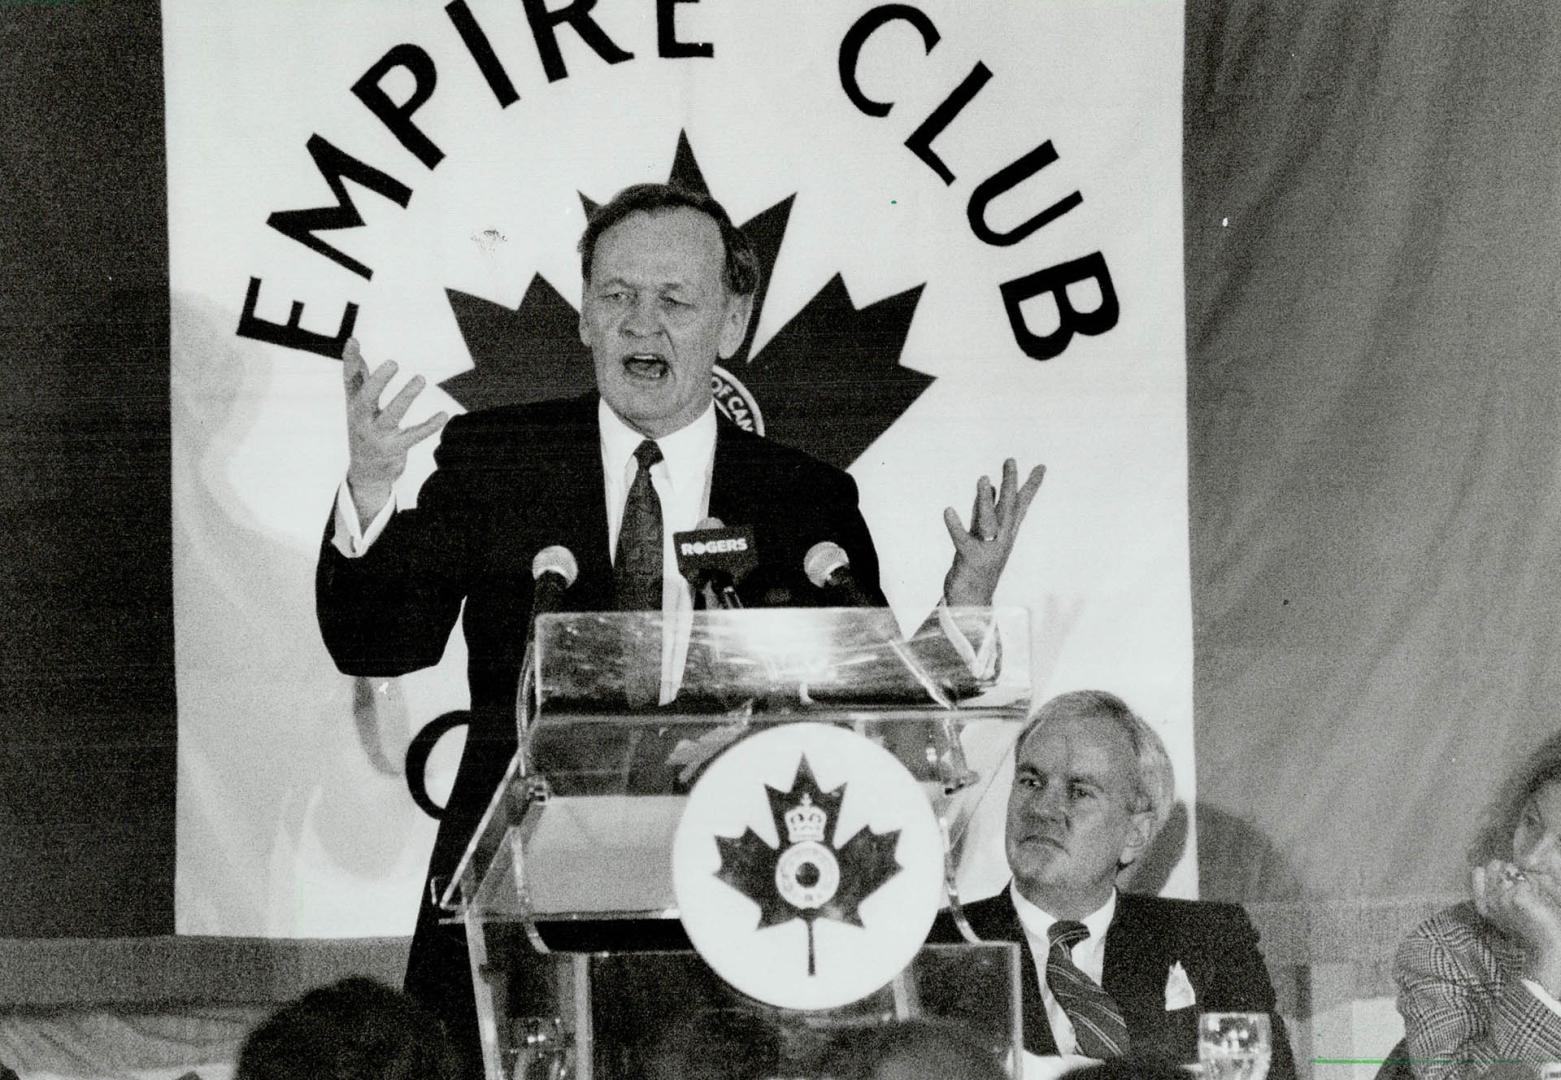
829,381
808,876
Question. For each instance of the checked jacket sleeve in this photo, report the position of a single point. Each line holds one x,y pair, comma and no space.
1466,1010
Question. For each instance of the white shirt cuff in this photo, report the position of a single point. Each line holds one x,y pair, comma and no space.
1545,997
1052,1066
980,660
348,537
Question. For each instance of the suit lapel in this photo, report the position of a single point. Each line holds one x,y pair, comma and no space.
997,920
736,479
1139,954
1138,961
573,510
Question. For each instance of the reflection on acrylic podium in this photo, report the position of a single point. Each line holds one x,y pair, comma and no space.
743,860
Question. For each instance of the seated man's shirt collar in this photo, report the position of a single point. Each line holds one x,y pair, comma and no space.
1038,922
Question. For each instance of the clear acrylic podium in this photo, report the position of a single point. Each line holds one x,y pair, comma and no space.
580,965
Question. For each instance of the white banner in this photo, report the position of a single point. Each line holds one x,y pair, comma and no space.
927,181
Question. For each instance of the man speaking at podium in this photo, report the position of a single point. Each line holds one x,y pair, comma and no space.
669,283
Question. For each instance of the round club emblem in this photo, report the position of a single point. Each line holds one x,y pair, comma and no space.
807,875
735,400
808,866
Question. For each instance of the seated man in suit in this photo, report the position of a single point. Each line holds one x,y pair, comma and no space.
669,283
1107,973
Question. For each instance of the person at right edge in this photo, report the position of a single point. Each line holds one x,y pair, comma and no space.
1479,985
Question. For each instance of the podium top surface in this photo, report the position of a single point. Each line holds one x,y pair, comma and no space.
611,666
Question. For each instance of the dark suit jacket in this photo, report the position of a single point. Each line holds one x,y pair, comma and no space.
512,481
509,482
1215,944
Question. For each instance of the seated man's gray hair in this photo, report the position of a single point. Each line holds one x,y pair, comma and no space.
1154,786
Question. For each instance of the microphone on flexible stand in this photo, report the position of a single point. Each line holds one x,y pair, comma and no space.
553,570
828,567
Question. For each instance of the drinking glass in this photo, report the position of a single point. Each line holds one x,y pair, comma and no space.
1234,1045
539,1050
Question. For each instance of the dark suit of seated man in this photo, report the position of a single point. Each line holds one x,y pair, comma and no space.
1106,973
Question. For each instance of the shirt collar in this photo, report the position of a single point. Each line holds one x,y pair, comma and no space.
686,451
1037,922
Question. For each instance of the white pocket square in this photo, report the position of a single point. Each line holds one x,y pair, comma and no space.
1178,990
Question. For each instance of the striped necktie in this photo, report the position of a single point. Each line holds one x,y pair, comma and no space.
638,567
1097,1021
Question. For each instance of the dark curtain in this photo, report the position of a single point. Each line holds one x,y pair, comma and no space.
87,721
1373,242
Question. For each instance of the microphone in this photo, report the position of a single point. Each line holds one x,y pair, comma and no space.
828,567
715,558
553,570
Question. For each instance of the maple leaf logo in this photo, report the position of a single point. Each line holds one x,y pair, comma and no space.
809,876
829,381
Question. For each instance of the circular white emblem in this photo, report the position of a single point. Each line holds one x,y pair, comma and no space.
807,875
808,866
735,400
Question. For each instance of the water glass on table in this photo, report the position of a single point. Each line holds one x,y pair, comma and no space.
1234,1046
539,1050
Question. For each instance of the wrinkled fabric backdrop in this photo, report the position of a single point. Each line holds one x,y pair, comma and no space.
1373,393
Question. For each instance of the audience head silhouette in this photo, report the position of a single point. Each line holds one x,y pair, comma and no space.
355,1029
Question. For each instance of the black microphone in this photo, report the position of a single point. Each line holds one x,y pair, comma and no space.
715,559
828,567
553,570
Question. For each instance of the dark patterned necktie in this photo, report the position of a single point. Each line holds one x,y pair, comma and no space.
637,569
1097,1021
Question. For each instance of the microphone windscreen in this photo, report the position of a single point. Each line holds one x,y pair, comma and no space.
823,561
710,523
721,554
555,559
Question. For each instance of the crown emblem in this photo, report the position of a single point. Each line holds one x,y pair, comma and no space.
806,822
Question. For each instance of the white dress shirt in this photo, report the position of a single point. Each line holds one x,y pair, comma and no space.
1089,956
681,479
682,482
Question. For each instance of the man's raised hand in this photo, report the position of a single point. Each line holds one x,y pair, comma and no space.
377,445
981,552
